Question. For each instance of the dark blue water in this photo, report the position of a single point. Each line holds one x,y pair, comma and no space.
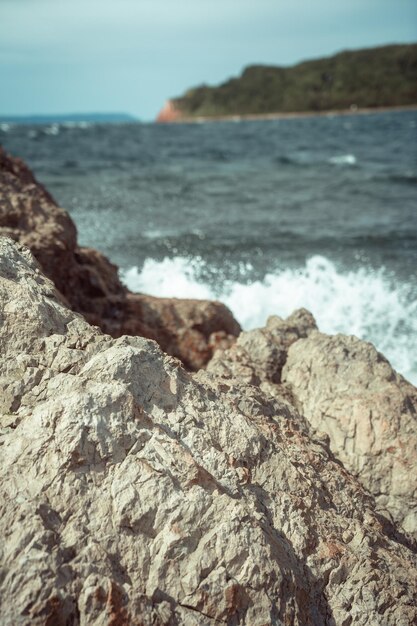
267,215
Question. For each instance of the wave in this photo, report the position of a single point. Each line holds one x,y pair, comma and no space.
364,302
407,178
53,130
56,128
312,159
287,160
79,125
343,159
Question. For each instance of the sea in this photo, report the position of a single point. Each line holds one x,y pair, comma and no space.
266,216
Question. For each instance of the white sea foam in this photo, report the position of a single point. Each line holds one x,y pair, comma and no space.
363,302
343,159
81,125
53,129
171,278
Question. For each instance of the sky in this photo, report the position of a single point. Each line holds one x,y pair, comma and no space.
75,56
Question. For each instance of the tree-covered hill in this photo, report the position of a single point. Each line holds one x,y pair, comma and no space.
368,78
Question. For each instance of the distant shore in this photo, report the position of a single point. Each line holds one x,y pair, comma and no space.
285,115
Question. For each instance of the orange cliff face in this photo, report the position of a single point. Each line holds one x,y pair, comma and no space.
169,113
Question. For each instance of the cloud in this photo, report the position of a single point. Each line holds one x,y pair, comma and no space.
37,24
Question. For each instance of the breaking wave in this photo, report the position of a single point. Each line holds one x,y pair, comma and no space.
343,159
363,302
303,158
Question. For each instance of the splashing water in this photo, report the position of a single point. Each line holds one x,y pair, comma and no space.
362,302
343,159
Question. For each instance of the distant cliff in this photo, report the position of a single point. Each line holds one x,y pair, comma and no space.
368,78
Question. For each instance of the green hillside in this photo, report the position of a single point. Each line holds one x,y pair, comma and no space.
373,77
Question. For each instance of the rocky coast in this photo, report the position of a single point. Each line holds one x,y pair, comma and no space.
89,282
160,467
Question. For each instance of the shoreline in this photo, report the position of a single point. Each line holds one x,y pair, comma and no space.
287,115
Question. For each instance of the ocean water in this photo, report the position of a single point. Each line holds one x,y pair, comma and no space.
266,216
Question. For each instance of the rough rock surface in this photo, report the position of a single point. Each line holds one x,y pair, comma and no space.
258,355
133,493
90,283
348,392
347,389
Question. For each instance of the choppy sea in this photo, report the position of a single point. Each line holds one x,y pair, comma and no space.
266,216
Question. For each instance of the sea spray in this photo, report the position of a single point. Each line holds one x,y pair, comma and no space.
367,303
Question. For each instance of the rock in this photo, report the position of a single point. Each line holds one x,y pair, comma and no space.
259,355
90,283
29,214
134,493
348,392
184,328
169,113
347,389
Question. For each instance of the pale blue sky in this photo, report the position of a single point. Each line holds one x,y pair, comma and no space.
60,56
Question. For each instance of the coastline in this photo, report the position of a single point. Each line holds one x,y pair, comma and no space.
284,115
275,465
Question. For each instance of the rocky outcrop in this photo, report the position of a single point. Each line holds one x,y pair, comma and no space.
90,283
349,394
134,493
169,113
347,389
258,356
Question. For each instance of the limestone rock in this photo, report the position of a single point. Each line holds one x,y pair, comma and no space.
259,355
90,283
347,389
348,392
182,327
134,493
